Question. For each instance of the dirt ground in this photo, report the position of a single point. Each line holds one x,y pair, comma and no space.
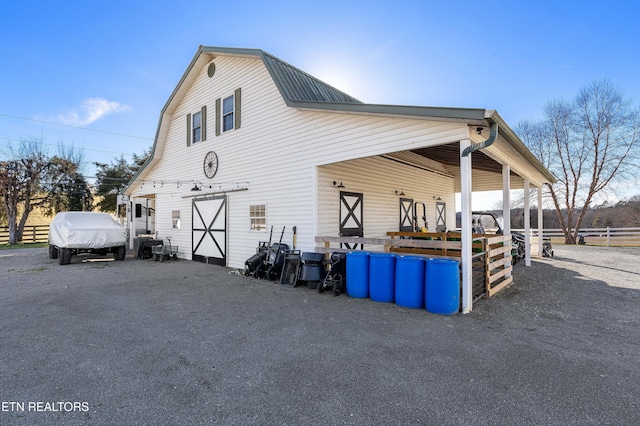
143,342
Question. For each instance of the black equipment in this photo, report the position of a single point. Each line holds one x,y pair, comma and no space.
336,277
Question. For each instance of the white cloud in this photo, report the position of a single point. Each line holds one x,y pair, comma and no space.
89,111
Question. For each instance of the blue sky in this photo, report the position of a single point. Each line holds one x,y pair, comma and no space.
109,66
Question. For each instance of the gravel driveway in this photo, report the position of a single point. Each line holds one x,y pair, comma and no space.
143,342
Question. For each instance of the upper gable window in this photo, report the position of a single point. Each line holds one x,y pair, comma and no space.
196,135
227,113
197,126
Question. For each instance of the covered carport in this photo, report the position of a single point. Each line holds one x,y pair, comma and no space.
491,157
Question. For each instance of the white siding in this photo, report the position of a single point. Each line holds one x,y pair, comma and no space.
378,179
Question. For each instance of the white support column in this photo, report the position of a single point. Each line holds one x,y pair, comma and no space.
506,203
506,199
527,225
132,225
465,197
540,224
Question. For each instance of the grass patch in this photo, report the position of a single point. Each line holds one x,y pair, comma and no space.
23,245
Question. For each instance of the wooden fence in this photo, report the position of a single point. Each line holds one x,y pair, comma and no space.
595,236
491,269
498,263
31,234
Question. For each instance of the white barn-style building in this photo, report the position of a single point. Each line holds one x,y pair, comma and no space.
247,142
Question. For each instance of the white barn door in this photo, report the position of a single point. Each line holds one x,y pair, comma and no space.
209,230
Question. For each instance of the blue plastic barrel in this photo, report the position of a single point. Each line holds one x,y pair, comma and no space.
409,289
442,286
382,274
358,274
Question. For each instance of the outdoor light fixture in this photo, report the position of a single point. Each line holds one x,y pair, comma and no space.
338,184
197,186
479,130
401,192
437,198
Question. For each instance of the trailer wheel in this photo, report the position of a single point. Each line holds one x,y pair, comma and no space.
120,253
64,256
53,252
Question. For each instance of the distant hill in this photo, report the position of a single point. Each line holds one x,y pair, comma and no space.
624,214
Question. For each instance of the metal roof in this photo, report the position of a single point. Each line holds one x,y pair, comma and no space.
298,86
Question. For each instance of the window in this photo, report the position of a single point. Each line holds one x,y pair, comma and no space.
258,216
196,135
197,126
227,113
175,218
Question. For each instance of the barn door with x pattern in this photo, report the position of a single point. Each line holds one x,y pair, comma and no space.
406,215
441,215
351,212
209,230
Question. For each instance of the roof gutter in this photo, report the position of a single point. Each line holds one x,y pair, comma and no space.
493,135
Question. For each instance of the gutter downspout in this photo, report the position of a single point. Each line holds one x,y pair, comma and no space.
493,135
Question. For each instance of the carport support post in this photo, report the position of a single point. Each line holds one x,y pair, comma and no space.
465,216
540,225
506,203
506,199
527,225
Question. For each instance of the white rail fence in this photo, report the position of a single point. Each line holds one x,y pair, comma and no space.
594,236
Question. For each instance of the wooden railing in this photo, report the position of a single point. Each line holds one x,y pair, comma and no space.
31,234
492,270
498,263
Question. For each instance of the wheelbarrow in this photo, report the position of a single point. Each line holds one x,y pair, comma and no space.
163,252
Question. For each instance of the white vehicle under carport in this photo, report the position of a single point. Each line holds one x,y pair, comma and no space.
73,233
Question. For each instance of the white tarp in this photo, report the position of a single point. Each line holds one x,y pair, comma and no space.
86,230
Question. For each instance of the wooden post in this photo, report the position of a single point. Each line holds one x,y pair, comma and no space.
487,267
444,238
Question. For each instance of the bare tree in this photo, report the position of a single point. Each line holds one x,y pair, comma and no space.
33,178
588,144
